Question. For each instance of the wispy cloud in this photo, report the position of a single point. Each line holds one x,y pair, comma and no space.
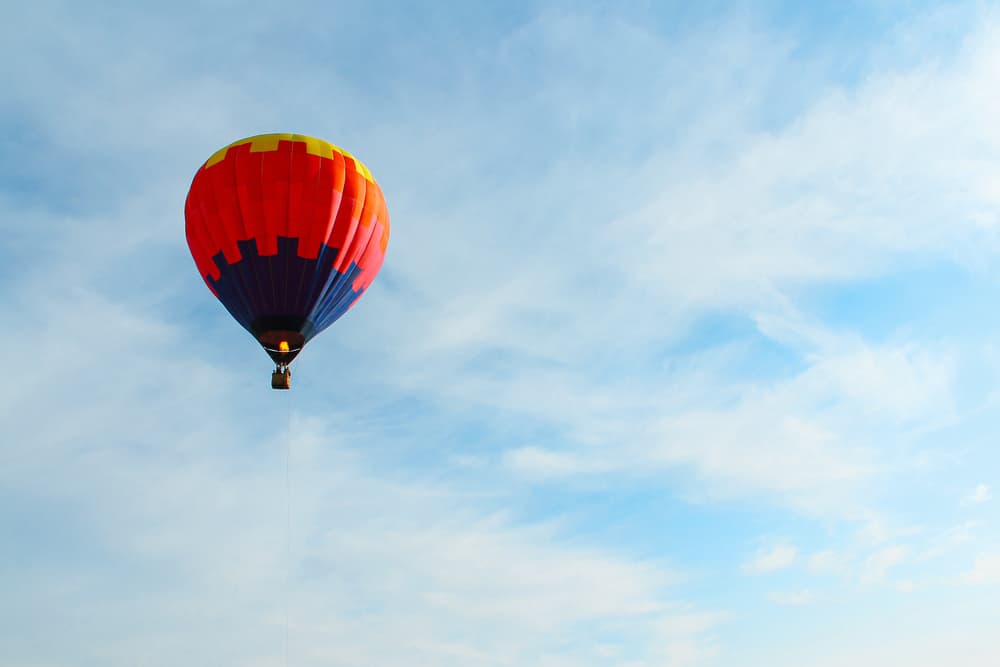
650,274
985,571
827,562
791,598
877,566
979,495
776,558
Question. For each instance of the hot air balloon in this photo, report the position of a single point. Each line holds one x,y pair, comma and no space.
287,231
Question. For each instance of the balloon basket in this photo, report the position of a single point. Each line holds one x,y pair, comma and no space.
281,378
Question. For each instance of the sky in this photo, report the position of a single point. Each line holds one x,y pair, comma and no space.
683,353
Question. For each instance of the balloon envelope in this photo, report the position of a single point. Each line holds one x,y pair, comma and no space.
288,231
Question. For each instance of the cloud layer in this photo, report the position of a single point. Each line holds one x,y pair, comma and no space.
684,334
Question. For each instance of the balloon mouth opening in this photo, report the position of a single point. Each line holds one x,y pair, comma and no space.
281,345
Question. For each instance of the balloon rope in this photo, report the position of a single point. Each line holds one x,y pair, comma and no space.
288,522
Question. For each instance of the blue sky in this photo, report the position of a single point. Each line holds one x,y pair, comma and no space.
683,353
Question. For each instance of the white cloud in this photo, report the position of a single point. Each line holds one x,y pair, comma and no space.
172,465
760,440
981,494
792,598
685,639
830,196
541,279
954,538
827,562
985,571
370,556
877,566
778,557
540,463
